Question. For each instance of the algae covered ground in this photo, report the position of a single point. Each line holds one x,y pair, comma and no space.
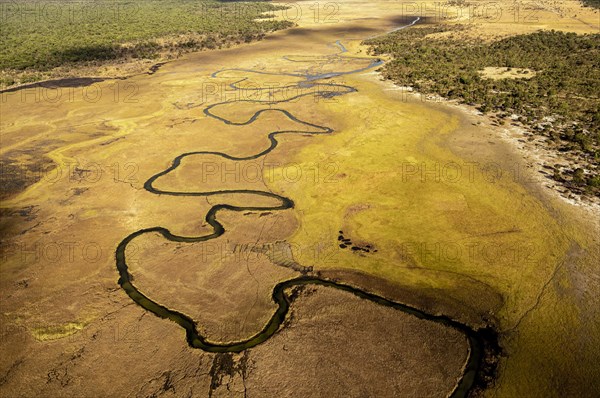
460,235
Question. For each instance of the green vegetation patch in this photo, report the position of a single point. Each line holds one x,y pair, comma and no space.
591,3
40,35
558,99
58,331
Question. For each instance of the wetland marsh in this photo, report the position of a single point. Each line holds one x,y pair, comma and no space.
275,219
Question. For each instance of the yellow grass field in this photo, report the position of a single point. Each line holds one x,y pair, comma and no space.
413,200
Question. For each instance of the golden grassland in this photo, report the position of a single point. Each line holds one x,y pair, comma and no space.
479,248
398,189
447,236
443,222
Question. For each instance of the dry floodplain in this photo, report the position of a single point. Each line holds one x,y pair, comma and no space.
275,220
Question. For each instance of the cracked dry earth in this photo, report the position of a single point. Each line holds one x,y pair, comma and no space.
526,265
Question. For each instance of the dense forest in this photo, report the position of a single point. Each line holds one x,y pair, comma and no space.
592,3
555,93
38,36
